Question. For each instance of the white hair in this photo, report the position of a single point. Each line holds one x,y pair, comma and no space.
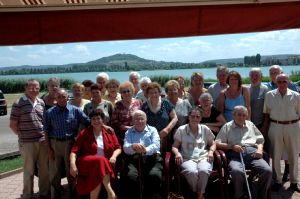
103,75
239,108
134,73
145,80
276,67
139,112
255,70
206,96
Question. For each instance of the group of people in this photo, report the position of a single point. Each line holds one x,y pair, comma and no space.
110,127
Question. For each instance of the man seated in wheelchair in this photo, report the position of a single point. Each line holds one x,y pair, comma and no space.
143,163
193,148
241,139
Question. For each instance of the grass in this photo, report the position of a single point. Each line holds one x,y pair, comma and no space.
10,164
11,98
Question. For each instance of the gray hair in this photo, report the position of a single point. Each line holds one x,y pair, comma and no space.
206,96
103,75
239,108
276,67
255,70
282,75
137,113
134,73
145,80
222,69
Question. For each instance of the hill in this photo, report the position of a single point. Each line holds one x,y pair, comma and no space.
126,62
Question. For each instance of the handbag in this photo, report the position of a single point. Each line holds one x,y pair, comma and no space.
173,195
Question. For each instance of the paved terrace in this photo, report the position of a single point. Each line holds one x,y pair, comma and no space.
11,188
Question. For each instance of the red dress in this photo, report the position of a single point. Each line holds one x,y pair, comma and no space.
91,167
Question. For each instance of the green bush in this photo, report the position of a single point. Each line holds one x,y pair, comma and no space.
17,85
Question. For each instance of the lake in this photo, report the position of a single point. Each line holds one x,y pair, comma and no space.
123,76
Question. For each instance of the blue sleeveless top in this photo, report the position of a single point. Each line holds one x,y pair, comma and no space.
229,104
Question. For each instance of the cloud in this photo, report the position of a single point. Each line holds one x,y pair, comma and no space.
57,50
13,48
34,56
81,49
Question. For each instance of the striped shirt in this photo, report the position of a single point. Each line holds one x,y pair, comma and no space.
64,122
29,117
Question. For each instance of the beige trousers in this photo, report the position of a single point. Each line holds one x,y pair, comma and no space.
35,153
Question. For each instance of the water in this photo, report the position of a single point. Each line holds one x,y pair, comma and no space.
123,76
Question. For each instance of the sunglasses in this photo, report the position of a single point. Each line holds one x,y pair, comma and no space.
125,91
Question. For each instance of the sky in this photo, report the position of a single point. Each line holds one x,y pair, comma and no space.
181,49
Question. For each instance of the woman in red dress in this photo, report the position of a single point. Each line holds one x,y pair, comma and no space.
93,156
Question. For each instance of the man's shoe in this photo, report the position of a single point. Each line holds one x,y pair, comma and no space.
295,187
276,187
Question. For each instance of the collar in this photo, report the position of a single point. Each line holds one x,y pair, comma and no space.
236,126
146,129
188,129
288,92
25,98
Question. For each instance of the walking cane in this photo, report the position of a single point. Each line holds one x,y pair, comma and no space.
244,169
140,176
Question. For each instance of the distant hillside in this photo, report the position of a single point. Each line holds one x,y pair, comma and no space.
127,62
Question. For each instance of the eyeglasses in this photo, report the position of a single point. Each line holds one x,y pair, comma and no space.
195,116
282,82
125,91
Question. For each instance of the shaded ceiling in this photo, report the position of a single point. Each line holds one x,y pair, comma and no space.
60,21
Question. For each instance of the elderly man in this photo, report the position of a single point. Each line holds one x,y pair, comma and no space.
26,122
257,96
275,70
61,124
282,109
101,80
216,88
242,136
143,161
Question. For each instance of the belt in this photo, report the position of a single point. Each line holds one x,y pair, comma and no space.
62,138
284,122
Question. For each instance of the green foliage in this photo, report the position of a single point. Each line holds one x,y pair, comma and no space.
254,60
17,85
10,164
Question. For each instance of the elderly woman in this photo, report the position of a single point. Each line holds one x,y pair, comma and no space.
210,116
196,88
196,161
77,90
182,107
93,156
141,95
143,170
181,93
101,80
234,95
160,113
99,103
134,78
53,85
112,87
122,114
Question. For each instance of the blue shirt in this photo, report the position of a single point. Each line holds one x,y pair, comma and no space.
149,138
64,122
271,86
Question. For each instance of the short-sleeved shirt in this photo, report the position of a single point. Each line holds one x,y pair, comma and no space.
214,113
122,115
161,118
104,105
284,108
194,147
215,90
64,122
257,98
248,135
182,109
30,119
